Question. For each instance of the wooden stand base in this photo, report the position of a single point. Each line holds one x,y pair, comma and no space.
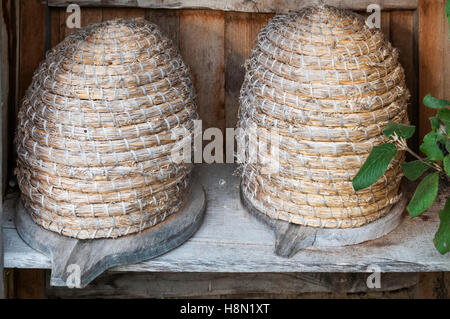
76,261
290,238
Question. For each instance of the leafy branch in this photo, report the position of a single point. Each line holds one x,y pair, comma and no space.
435,146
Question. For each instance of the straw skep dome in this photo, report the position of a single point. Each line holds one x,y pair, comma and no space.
328,85
96,132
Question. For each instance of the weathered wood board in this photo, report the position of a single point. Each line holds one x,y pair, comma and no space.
32,40
434,43
215,45
202,48
87,259
291,238
4,92
241,30
403,35
231,240
168,21
210,285
239,5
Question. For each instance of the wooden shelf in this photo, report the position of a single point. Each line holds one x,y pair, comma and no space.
237,5
231,240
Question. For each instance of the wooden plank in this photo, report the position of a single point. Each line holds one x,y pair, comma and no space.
433,42
241,30
433,286
126,13
88,16
403,37
291,238
62,24
55,23
4,96
202,48
168,22
239,5
231,240
446,39
32,36
384,21
31,40
29,284
93,257
9,286
9,210
185,285
11,16
21,253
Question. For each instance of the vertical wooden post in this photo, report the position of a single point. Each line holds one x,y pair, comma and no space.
404,39
4,88
433,44
202,48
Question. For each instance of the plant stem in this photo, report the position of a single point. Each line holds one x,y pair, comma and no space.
432,165
401,143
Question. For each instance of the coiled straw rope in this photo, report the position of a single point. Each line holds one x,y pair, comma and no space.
327,84
96,132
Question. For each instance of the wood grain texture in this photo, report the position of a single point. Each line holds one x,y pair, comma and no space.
186,285
8,283
240,5
88,16
202,48
241,30
9,29
29,284
446,39
433,43
434,286
93,257
292,238
231,240
55,26
32,17
126,13
168,21
386,23
4,97
403,37
9,212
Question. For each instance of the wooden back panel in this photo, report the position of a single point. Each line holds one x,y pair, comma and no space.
216,43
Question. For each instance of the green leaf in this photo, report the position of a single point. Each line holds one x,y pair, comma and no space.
434,123
413,170
431,148
374,166
447,164
441,137
425,195
444,116
447,144
435,103
405,131
442,237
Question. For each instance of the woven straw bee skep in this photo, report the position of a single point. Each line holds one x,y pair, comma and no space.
327,84
97,128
